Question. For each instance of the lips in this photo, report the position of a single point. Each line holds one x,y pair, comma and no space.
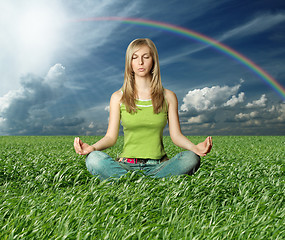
141,69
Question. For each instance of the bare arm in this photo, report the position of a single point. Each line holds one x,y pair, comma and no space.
176,135
111,135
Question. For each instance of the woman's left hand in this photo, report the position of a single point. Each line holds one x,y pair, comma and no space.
203,148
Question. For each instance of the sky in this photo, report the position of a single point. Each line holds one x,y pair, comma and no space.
58,72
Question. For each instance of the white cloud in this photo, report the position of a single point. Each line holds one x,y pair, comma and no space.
197,119
107,108
55,72
209,98
281,113
235,100
258,103
222,110
242,116
56,76
5,100
91,125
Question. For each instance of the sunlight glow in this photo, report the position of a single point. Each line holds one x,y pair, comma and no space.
38,28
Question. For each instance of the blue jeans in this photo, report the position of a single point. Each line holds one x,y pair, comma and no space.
101,164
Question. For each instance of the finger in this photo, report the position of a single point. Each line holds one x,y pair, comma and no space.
209,142
208,146
75,141
77,149
77,146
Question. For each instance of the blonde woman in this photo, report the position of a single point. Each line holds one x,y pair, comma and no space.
143,107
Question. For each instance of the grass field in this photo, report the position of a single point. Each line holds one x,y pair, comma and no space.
47,193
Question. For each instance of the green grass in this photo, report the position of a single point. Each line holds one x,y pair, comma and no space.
47,193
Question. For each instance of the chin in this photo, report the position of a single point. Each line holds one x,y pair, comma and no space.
143,74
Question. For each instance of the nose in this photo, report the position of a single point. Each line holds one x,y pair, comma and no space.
141,61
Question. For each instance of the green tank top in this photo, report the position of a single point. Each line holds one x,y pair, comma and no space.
143,131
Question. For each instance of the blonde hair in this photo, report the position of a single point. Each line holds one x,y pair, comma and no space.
129,91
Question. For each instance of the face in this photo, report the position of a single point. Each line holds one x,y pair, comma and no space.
142,62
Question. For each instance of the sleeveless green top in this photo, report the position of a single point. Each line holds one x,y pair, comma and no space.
143,131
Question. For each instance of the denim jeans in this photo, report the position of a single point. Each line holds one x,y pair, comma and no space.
101,164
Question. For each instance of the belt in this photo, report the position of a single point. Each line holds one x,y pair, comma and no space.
143,160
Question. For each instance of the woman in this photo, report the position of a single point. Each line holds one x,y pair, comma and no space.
143,106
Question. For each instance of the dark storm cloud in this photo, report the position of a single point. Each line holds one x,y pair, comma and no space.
37,108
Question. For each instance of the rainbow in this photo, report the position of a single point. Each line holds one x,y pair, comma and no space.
269,80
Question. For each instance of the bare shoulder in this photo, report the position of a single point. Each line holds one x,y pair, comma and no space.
170,96
116,96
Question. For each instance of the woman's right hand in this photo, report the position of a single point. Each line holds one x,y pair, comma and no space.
203,148
82,148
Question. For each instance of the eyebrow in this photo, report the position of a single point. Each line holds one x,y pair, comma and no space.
143,54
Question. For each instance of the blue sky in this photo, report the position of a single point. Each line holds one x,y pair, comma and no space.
58,73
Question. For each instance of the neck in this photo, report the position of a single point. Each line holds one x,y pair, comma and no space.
143,83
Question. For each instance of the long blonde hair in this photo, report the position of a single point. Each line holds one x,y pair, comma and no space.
129,91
